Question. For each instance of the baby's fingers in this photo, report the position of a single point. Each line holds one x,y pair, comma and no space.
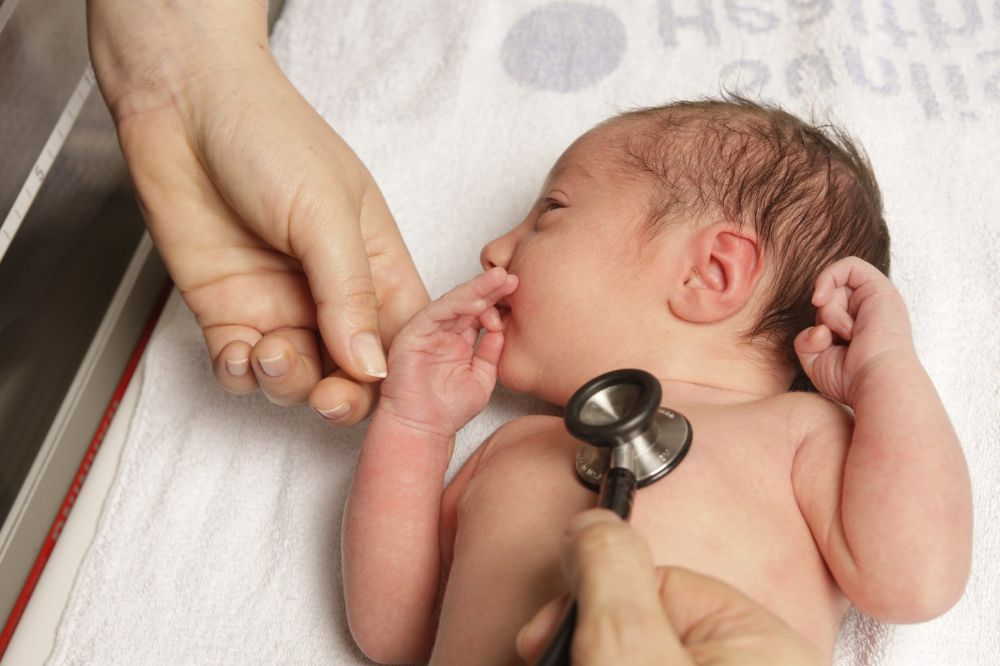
836,315
832,298
822,360
489,286
488,352
850,272
490,320
472,298
813,340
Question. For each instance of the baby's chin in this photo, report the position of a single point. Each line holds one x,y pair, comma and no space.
508,375
524,378
517,373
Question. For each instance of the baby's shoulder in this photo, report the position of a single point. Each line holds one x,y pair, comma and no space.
507,443
812,415
523,428
537,431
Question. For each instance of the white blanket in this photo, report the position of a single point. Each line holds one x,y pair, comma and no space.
218,543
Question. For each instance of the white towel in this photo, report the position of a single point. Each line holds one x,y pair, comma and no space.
219,540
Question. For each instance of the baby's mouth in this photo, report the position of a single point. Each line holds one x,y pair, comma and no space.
504,311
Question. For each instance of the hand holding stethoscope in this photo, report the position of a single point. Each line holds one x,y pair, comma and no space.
686,618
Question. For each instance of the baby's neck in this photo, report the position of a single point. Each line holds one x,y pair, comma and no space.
700,369
679,391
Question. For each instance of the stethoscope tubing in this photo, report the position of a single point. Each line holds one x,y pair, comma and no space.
617,493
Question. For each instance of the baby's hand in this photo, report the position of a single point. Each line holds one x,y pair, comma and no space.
438,377
862,307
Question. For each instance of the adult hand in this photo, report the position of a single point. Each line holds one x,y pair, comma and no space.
630,613
271,227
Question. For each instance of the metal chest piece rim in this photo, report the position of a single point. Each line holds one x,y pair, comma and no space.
655,453
619,419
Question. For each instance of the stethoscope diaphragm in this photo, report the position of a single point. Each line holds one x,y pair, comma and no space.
618,418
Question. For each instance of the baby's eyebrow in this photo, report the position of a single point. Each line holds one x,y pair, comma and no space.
570,169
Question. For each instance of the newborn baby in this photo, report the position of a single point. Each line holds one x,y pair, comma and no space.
732,251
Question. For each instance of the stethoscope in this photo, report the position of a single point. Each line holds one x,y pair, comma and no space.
629,442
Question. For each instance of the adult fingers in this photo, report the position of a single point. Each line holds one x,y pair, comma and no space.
299,186
725,627
232,368
343,401
230,348
533,636
336,264
619,618
401,292
286,364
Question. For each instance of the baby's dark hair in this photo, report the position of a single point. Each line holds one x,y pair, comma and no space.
808,192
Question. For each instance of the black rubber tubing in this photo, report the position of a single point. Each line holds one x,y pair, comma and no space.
617,494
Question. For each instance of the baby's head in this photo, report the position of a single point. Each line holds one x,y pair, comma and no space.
684,239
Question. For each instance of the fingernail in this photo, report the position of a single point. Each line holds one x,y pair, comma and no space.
528,635
519,639
338,412
275,366
585,519
368,354
238,368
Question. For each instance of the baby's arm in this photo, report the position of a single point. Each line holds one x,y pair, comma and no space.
893,513
438,379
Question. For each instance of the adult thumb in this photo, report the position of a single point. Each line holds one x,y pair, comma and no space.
336,263
619,616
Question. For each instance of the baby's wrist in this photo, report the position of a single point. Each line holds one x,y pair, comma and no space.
883,371
398,424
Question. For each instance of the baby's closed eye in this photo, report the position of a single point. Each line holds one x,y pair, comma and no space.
549,204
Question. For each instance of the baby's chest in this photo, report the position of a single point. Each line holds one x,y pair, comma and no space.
727,511
730,488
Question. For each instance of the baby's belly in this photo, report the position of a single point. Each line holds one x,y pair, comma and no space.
736,520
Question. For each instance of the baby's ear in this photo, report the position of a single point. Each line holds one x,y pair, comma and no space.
723,266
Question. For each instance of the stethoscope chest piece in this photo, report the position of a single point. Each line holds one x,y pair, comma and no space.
623,407
654,455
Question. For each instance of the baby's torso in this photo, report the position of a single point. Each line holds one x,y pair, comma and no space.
727,511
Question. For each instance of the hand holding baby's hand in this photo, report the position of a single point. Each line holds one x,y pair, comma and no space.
439,378
862,307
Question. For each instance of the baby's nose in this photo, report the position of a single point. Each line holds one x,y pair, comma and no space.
493,254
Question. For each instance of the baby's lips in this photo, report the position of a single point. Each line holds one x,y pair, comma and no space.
503,308
503,303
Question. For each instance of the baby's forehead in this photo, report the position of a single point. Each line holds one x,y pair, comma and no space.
664,149
601,153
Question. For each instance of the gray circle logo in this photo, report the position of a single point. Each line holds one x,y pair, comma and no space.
564,46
